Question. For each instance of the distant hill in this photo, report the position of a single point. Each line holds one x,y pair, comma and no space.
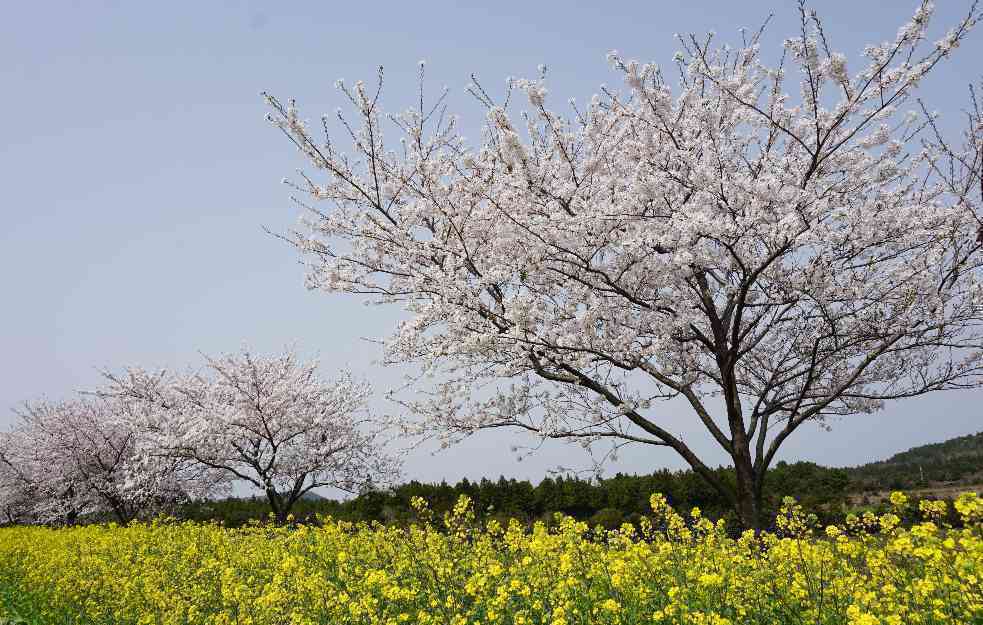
953,462
935,470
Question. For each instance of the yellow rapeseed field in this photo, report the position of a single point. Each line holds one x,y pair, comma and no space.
672,569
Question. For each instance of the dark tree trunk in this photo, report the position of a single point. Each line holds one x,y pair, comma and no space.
759,502
274,500
747,495
121,517
280,505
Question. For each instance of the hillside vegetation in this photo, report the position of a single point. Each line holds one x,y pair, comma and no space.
829,493
955,462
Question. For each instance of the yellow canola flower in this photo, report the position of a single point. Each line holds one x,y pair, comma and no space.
899,500
670,568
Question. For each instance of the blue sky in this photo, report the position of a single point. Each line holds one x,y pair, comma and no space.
138,172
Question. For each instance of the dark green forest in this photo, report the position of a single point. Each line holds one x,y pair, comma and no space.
829,493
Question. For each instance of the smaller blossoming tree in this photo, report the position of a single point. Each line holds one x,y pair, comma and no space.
66,459
270,422
16,491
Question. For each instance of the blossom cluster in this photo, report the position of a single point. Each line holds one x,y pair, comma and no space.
150,438
797,242
64,460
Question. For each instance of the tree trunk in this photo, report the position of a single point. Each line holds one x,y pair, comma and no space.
121,516
276,506
280,505
747,496
748,503
759,501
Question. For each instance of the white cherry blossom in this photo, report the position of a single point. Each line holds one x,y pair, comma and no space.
271,422
787,239
64,460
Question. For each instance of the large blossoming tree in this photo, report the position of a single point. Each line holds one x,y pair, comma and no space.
270,422
775,244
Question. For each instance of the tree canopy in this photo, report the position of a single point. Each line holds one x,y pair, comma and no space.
774,243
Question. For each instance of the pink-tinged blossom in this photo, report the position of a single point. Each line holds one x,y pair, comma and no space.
271,422
64,461
787,240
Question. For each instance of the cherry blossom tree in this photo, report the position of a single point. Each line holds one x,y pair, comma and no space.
271,422
17,494
68,459
775,244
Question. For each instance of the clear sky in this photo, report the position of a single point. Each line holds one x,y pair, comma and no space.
137,171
